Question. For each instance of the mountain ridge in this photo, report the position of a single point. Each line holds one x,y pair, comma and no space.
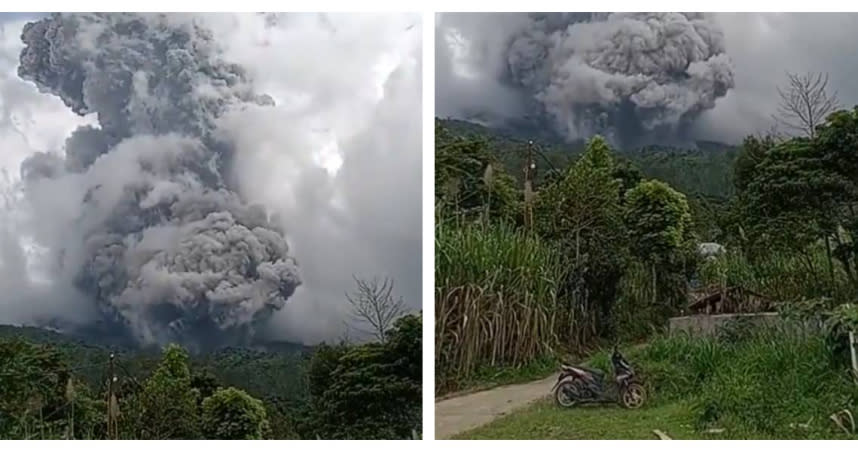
703,170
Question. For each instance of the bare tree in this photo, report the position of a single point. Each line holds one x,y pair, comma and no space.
373,304
805,103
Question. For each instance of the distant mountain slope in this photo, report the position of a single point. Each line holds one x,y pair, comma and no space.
269,370
702,171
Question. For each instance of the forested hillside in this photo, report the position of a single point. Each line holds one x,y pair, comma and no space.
703,168
273,371
54,386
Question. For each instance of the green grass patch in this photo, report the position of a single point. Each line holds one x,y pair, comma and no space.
749,382
545,420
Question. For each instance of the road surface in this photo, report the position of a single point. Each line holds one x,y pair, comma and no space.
463,413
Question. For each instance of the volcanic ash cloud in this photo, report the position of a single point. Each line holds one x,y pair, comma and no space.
157,238
632,77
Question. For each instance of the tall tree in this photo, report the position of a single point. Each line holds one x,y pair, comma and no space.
782,203
659,225
658,220
805,191
805,103
582,213
33,381
168,403
470,181
233,414
368,391
374,305
835,152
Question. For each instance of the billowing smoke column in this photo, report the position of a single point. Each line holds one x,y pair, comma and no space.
630,76
160,242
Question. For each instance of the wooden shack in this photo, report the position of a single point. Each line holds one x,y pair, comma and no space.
727,300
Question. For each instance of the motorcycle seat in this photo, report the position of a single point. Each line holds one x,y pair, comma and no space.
596,372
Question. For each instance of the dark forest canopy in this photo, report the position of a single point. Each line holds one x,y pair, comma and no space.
54,386
700,168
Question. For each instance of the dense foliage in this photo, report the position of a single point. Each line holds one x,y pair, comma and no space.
233,414
509,294
357,391
700,169
369,391
613,249
167,405
496,299
783,380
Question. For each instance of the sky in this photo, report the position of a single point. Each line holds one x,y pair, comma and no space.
470,49
337,160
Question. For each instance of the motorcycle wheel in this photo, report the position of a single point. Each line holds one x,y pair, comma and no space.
633,396
567,394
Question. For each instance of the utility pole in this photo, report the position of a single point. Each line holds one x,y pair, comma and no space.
529,177
853,344
112,406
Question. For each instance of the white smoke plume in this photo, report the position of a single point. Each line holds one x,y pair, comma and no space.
629,76
162,212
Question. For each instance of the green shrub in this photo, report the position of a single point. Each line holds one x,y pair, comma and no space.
233,414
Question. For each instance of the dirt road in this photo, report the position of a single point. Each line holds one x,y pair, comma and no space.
460,414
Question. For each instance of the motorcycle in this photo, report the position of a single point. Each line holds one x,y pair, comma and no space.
578,385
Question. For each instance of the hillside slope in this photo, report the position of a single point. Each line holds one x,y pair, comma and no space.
270,370
703,168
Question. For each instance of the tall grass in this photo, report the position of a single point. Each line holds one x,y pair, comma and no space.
783,380
495,302
774,381
780,276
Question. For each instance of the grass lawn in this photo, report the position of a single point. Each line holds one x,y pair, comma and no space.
545,420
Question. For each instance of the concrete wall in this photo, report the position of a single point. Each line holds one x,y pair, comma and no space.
708,324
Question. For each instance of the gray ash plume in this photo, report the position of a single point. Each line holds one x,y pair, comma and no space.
633,77
165,248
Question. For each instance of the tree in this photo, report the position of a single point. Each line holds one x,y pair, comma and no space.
627,174
322,366
233,414
168,404
585,201
204,383
751,154
781,200
368,391
582,213
406,344
39,397
659,226
836,185
805,103
658,220
804,191
470,181
33,383
373,304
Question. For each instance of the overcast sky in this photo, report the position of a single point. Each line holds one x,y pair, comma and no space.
762,47
338,160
